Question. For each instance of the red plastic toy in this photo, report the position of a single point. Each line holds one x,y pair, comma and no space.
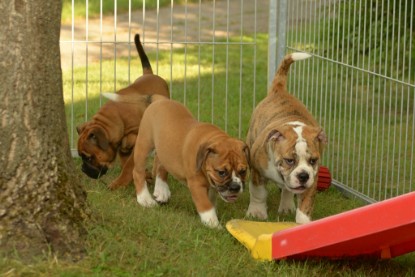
384,230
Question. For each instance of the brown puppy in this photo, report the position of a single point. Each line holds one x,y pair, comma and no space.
115,126
198,154
286,144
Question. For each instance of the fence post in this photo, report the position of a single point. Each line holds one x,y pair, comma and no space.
276,43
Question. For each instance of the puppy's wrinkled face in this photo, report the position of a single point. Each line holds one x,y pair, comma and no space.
294,155
225,165
95,151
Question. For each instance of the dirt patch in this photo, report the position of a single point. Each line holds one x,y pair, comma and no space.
89,41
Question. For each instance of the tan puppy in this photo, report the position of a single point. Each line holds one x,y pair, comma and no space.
195,153
286,144
115,126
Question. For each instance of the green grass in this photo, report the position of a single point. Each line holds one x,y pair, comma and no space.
128,240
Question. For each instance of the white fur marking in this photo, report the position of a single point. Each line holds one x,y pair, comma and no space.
209,218
301,145
301,148
272,173
300,56
301,151
237,180
161,191
144,198
299,131
111,96
296,123
301,217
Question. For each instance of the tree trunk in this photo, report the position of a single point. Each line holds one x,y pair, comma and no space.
42,204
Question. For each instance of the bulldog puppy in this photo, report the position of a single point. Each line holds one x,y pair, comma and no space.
113,129
197,154
286,145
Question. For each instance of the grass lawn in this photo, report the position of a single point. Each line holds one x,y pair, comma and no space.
128,240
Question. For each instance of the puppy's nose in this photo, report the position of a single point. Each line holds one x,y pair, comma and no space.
303,177
234,187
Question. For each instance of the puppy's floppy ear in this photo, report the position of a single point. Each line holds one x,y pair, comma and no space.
97,137
247,153
80,128
275,135
202,154
322,136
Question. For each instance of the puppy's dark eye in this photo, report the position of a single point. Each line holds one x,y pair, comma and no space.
86,159
289,162
242,172
222,173
313,161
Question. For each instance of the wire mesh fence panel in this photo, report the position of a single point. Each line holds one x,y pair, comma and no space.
211,53
361,86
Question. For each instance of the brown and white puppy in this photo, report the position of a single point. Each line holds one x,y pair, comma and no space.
286,145
113,129
197,154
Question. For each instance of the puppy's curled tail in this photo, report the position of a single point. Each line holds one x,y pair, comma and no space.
145,63
134,98
280,80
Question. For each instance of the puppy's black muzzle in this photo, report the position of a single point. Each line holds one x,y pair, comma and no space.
231,187
92,171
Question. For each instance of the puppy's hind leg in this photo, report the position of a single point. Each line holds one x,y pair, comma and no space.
141,150
161,189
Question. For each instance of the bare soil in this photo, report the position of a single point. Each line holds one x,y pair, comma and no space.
162,29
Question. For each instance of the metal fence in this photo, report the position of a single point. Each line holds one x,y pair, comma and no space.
218,57
361,86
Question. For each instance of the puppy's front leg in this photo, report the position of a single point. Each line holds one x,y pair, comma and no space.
126,175
125,151
258,197
287,204
200,195
305,205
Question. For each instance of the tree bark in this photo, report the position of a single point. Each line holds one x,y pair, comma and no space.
42,204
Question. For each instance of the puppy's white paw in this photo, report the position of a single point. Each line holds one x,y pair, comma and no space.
210,219
144,198
161,191
257,210
301,217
